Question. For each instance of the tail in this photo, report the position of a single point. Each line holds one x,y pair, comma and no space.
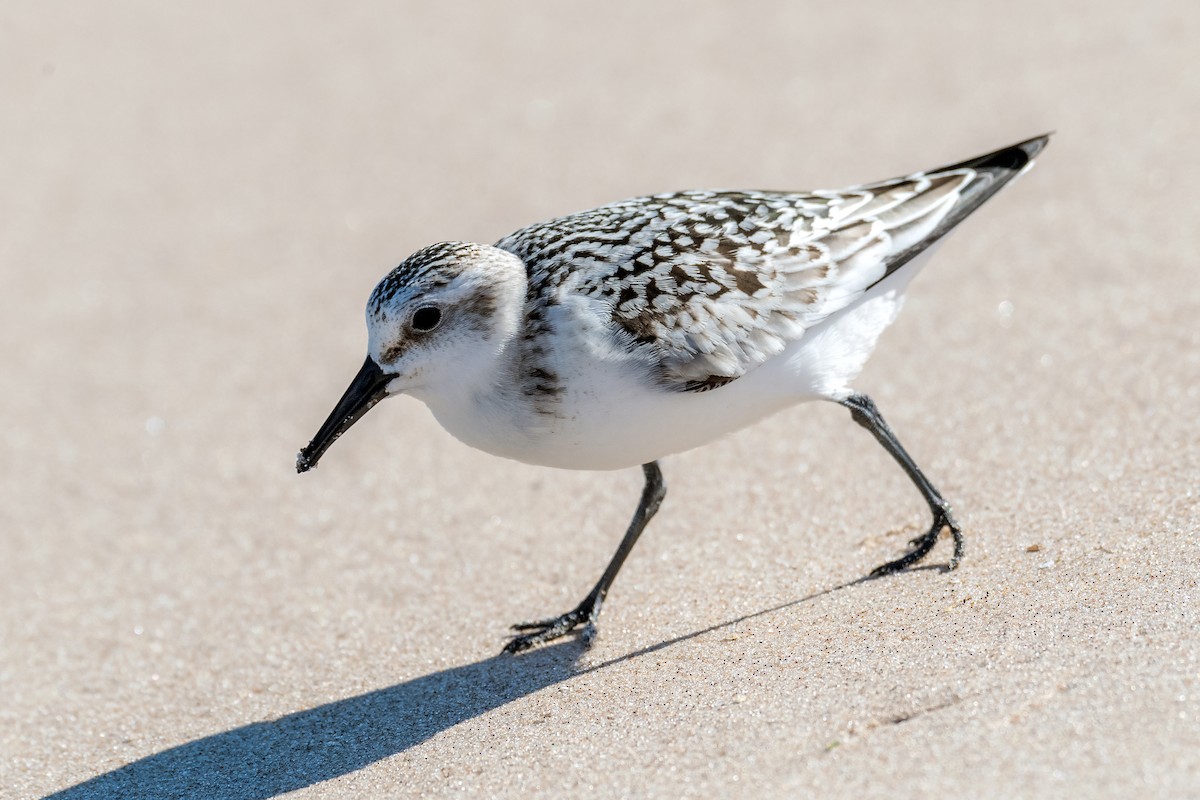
992,172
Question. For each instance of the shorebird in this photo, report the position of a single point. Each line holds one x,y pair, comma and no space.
613,337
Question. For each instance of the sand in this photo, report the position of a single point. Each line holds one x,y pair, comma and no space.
197,199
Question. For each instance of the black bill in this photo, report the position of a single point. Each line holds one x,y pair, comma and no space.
368,388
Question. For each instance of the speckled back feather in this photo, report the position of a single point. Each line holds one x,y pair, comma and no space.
715,283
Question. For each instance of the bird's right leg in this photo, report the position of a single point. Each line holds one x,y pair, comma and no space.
864,412
586,613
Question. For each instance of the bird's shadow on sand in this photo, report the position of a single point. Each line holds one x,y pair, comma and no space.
266,759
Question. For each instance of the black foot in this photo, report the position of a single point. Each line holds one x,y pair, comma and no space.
549,629
942,518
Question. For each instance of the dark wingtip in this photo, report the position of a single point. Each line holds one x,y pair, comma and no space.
302,463
1034,146
1001,166
1023,152
1013,158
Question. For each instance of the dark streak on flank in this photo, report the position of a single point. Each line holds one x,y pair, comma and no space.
709,383
543,382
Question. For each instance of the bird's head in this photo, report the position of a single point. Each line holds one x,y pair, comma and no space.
435,323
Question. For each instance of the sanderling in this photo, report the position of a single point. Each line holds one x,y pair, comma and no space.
613,337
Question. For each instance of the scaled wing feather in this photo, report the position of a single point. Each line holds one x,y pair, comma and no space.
713,284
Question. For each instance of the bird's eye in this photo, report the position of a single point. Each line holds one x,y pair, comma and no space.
426,318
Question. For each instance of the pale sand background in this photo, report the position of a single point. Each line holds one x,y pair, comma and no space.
195,201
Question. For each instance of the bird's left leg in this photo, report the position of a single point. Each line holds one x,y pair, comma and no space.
586,613
864,412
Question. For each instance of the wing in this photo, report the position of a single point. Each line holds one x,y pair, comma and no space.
712,284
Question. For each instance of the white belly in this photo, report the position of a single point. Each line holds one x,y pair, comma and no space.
613,417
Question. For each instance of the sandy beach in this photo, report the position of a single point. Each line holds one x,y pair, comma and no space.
196,200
